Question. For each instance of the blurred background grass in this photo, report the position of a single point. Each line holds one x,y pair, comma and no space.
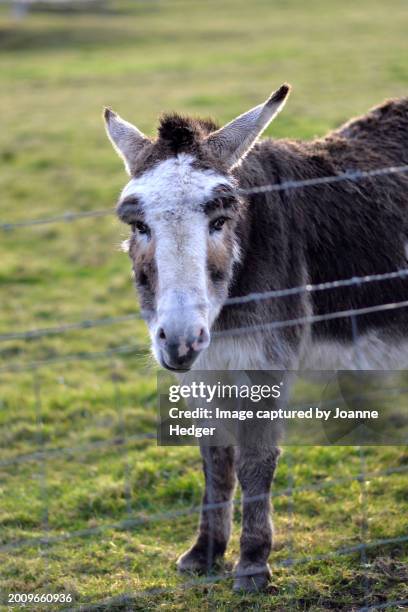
57,71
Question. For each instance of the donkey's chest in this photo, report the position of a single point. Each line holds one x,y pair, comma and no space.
371,351
233,353
248,352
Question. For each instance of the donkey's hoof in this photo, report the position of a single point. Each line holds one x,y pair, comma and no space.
193,561
252,578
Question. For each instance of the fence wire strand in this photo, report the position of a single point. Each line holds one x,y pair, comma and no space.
350,175
257,327
135,521
214,579
233,301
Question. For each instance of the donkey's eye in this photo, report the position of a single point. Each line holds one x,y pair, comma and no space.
217,224
140,227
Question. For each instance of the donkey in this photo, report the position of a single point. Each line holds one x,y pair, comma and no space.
198,239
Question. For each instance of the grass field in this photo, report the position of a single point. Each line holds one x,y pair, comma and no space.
218,58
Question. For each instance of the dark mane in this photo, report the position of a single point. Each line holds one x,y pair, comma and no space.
181,133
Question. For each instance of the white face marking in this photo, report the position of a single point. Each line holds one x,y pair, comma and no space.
177,180
171,194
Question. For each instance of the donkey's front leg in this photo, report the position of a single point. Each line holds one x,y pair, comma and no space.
216,513
255,468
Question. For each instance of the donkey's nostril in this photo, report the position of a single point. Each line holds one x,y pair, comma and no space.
203,336
162,335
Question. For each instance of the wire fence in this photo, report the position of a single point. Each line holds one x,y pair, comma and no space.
217,578
250,329
350,175
234,301
122,442
139,521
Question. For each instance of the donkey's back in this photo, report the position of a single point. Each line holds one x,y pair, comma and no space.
385,127
360,228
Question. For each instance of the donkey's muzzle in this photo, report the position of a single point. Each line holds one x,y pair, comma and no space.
179,351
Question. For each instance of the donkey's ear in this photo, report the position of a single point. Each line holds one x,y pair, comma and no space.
233,141
125,137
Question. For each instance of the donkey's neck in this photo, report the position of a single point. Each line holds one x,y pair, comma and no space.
272,252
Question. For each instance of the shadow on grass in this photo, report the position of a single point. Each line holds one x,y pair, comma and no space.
68,35
60,26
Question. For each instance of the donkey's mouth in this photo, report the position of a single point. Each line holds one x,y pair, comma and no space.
183,368
178,354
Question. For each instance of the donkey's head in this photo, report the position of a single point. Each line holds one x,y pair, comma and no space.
183,209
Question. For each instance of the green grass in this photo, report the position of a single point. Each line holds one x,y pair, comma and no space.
218,58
